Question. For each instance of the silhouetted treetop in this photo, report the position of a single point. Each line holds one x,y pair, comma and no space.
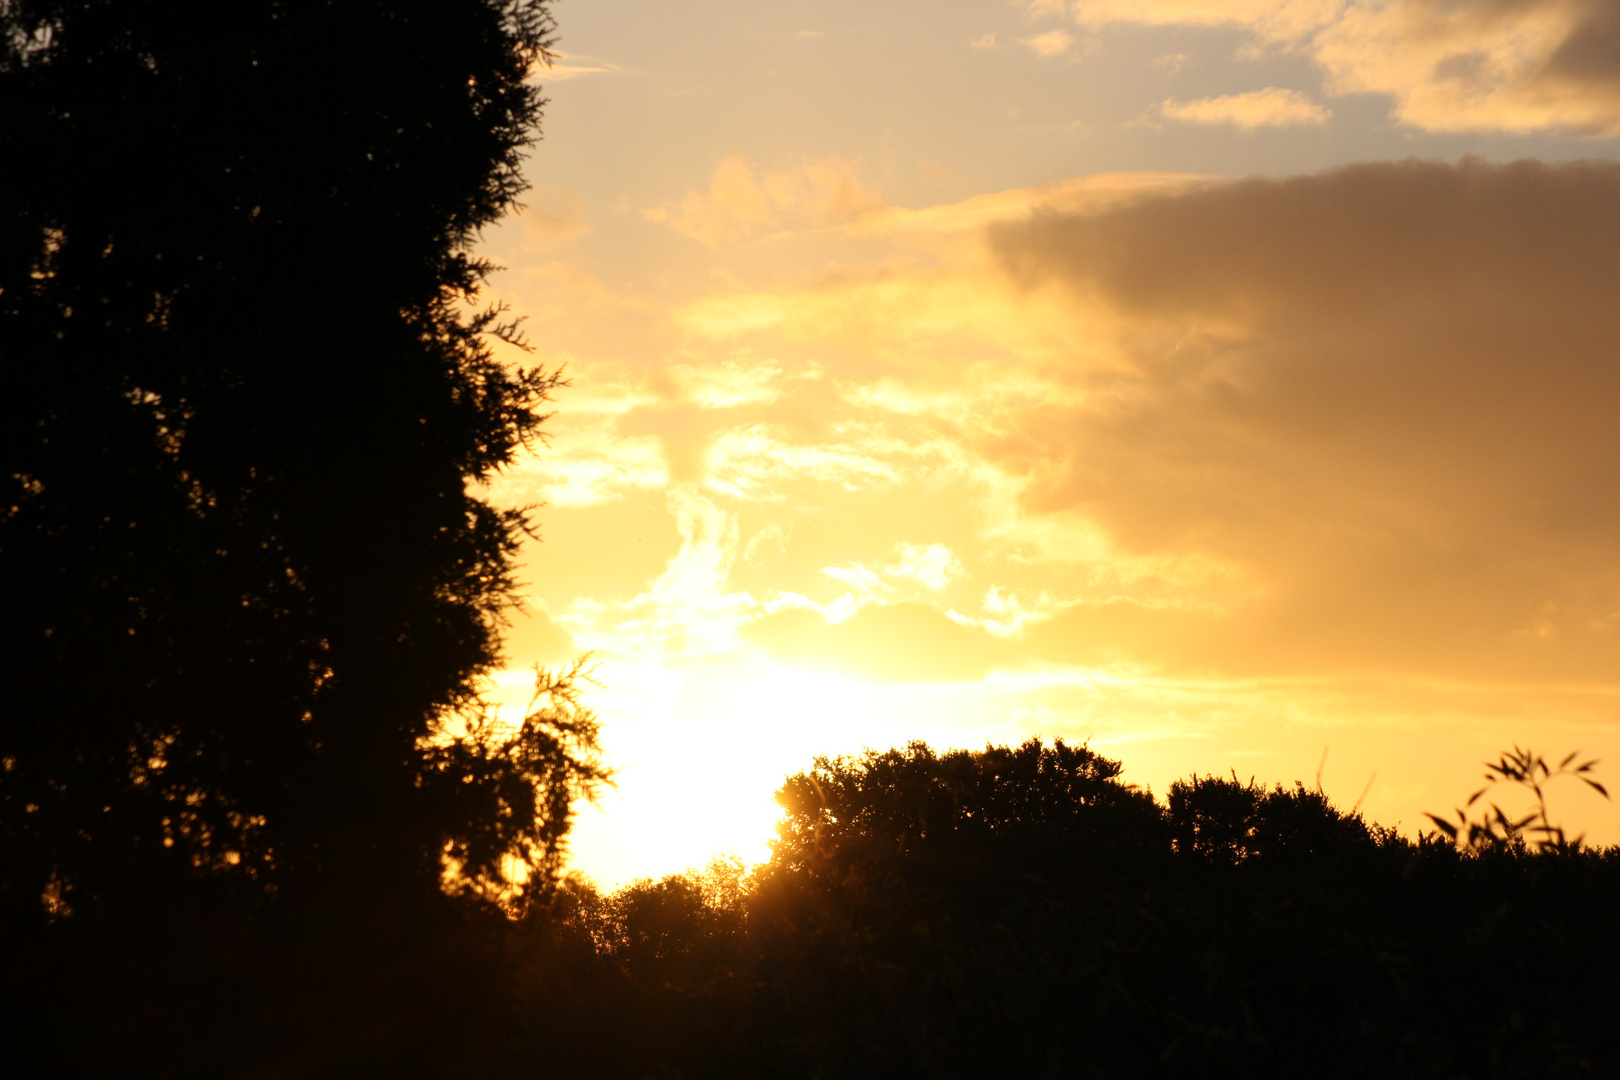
1227,821
915,798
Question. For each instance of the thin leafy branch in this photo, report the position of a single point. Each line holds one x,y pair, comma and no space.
1496,829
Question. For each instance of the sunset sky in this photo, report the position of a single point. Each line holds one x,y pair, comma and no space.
1213,380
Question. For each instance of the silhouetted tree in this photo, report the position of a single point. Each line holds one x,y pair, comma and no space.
886,804
247,577
1227,821
250,588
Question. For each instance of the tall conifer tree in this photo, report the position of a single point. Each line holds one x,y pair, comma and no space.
246,574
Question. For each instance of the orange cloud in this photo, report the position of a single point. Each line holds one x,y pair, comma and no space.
1279,20
1448,65
1531,65
1271,107
552,216
565,66
1387,390
1333,427
741,202
1052,43
905,642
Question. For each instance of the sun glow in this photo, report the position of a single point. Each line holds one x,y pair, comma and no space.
701,748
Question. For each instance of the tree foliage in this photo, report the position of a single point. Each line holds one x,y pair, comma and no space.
254,812
248,579
912,798
1227,821
505,795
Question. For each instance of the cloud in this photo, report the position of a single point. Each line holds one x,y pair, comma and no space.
1448,65
1387,391
734,206
552,216
1075,194
742,202
983,41
741,379
1271,107
1052,43
587,459
1038,8
905,642
856,577
689,610
566,66
932,567
756,462
769,542
1353,422
1522,66
1274,19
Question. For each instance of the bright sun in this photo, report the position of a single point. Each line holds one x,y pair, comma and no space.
699,752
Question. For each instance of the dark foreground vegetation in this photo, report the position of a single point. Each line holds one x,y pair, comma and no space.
255,820
1020,912
1014,912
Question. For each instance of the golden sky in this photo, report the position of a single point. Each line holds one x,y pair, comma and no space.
1213,381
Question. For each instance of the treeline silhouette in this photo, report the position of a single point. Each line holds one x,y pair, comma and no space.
1020,912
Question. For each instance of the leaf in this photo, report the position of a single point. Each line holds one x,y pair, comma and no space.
1595,786
1475,796
1573,754
1445,826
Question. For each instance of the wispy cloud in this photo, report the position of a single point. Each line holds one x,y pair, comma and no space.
741,201
932,566
566,66
1052,43
1271,107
